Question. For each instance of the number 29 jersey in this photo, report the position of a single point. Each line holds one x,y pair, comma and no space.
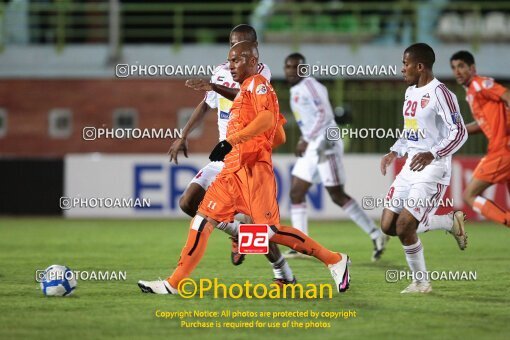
432,123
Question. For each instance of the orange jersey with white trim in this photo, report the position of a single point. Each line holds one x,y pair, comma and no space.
490,112
255,95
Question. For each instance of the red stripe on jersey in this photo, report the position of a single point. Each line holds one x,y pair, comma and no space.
455,142
448,97
315,94
451,106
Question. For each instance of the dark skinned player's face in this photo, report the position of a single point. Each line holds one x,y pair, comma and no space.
240,64
462,71
291,70
411,70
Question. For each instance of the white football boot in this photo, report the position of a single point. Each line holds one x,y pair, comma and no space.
417,287
379,246
340,273
157,287
458,231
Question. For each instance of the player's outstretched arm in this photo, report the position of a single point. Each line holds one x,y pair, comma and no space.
227,92
199,84
180,144
473,128
204,85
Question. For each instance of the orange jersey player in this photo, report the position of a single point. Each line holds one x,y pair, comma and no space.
247,182
489,103
220,91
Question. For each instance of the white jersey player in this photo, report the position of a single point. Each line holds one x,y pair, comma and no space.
320,159
220,92
434,130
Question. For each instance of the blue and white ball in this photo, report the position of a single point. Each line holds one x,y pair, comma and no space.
58,280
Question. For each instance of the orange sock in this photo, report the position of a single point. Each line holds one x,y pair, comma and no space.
193,251
295,239
491,211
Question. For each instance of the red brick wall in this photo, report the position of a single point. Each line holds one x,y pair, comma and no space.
28,103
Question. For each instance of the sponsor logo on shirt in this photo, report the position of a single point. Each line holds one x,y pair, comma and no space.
224,115
261,89
455,117
488,83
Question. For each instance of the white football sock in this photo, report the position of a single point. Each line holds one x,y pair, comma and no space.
359,217
299,217
230,228
281,269
436,222
416,260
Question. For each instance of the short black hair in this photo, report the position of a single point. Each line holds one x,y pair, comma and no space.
422,53
246,29
465,56
296,56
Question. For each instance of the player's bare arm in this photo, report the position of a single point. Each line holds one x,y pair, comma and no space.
199,84
421,160
473,128
181,144
227,92
204,85
387,160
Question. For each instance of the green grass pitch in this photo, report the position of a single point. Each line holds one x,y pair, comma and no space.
149,249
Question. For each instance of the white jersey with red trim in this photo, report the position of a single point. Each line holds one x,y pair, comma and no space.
432,122
310,105
222,76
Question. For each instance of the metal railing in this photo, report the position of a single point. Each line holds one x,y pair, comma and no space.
63,21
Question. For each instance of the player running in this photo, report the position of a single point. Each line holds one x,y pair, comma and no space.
247,182
320,159
433,109
227,89
487,100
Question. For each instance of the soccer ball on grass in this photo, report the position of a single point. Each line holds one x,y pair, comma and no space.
58,280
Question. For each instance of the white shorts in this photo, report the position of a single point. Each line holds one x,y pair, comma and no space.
321,163
418,196
207,174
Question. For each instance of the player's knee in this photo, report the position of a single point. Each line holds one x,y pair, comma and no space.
403,225
388,228
188,206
